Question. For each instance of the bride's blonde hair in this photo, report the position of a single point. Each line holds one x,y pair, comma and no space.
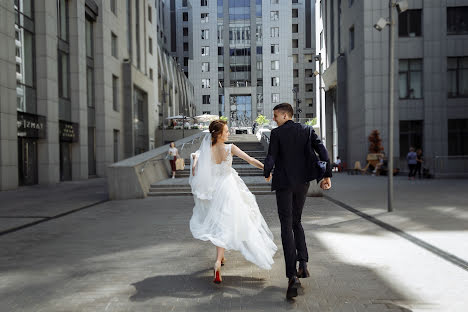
216,129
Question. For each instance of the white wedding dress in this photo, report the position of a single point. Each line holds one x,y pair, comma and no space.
226,213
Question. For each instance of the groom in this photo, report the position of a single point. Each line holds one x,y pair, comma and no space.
292,152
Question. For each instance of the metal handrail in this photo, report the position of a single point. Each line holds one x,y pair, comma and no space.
267,139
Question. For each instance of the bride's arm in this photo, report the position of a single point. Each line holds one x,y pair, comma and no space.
194,161
239,153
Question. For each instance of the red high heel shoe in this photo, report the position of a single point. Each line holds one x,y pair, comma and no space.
217,273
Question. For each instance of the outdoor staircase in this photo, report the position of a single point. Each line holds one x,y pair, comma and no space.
253,177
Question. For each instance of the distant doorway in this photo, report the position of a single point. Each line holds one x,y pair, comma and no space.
27,161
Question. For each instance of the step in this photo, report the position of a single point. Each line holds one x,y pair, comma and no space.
189,193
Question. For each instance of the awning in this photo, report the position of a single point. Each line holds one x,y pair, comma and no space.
330,76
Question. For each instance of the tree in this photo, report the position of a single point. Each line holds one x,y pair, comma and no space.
375,141
261,120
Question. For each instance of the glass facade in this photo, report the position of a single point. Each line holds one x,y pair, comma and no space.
24,50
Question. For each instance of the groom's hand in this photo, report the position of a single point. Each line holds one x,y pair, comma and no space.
269,178
325,184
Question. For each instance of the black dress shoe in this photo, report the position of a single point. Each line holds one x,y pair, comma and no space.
293,284
302,272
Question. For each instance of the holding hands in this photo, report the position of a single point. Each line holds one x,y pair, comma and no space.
325,184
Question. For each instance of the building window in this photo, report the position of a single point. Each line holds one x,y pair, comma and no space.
275,49
205,83
274,15
115,93
409,23
205,34
259,65
206,99
186,46
295,58
458,137
309,87
205,67
350,3
116,145
204,18
310,103
351,38
185,31
205,51
150,45
309,73
185,16
275,65
295,73
274,1
410,79
457,20
151,73
150,14
295,13
321,40
186,61
275,98
274,32
296,87
62,19
411,135
295,28
63,75
457,76
295,43
310,115
203,2
308,58
184,3
113,6
114,45
275,81
295,1
206,112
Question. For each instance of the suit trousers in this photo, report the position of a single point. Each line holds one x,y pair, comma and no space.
290,202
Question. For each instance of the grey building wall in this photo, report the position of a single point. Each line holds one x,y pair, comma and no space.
366,72
136,65
8,133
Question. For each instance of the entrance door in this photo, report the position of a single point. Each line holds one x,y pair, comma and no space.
65,161
27,161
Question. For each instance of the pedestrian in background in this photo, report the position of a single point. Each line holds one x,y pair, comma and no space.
411,158
172,155
420,160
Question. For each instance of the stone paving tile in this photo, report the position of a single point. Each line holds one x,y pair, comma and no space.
139,255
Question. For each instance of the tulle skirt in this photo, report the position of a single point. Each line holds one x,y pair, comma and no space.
232,220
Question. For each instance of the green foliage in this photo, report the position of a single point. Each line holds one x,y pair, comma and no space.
223,118
311,122
261,120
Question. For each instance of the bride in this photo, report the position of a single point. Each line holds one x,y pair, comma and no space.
226,212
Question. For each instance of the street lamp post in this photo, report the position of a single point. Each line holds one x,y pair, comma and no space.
298,110
381,23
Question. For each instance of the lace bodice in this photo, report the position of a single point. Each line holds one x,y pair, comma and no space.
224,168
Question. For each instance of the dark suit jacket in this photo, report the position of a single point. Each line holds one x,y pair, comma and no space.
293,153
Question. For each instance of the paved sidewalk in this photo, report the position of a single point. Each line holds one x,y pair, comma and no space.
139,255
39,202
433,210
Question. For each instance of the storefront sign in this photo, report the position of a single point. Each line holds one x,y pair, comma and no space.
31,126
68,131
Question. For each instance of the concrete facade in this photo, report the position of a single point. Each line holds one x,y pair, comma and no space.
69,120
355,100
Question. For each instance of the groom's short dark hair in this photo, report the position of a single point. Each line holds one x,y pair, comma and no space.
286,108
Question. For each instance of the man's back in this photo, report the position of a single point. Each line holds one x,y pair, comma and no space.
290,155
